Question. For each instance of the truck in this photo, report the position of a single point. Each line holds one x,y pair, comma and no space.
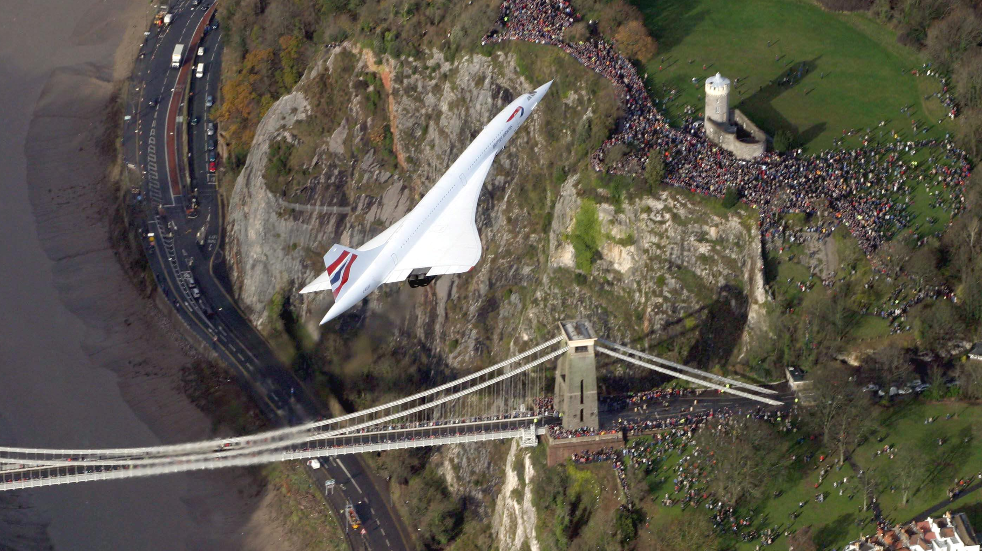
352,516
163,17
177,56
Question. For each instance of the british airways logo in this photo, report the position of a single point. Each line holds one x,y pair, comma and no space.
520,111
339,270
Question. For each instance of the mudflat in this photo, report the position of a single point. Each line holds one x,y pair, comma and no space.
84,360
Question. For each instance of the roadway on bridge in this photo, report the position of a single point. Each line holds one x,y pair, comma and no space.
156,144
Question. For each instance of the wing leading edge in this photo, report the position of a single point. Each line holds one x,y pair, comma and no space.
451,245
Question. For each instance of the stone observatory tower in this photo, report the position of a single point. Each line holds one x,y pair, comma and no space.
729,128
718,99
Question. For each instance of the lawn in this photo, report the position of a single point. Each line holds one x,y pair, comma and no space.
853,73
959,457
840,518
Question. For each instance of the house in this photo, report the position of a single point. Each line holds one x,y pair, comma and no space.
952,532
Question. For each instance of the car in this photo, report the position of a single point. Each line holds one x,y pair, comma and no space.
152,102
201,51
212,144
209,100
212,167
921,387
195,292
871,387
195,121
211,129
212,156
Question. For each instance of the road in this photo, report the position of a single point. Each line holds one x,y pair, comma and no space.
184,213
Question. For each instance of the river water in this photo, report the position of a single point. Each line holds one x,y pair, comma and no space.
84,361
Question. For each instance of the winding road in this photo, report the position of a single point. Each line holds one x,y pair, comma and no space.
183,211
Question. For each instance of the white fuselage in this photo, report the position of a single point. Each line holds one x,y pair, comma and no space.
488,143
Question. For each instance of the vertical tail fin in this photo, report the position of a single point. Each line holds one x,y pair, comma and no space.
343,265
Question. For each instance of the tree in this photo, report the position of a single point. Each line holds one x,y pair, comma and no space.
654,171
889,365
867,483
937,324
577,32
969,377
907,470
680,533
626,522
633,41
802,540
967,78
923,264
738,470
841,410
969,131
731,197
949,37
785,140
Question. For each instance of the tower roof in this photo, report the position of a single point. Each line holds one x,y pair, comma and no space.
718,80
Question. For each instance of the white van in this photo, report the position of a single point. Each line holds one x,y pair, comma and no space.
201,70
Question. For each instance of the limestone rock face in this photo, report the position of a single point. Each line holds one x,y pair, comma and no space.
665,259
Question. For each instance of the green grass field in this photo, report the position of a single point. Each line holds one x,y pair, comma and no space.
866,73
834,521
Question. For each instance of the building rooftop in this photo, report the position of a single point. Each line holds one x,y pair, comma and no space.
976,350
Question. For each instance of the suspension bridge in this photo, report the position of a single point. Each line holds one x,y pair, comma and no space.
506,400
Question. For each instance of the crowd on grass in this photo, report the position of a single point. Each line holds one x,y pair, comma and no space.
870,188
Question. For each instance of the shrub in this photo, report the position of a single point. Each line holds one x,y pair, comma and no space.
633,41
785,140
846,5
586,236
654,172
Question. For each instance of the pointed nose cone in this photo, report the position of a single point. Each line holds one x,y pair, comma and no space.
540,92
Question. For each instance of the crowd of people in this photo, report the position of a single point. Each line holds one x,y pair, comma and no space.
869,189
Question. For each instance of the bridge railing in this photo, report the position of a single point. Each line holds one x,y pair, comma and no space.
285,436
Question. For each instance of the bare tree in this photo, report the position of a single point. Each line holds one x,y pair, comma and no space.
949,37
739,470
888,365
969,376
802,540
841,410
967,78
867,483
907,470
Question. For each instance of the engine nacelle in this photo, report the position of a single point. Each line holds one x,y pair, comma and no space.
420,279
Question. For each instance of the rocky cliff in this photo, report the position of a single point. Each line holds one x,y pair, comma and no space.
669,263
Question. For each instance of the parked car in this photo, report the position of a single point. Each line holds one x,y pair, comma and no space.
212,167
921,387
211,129
871,387
201,51
212,156
212,144
209,100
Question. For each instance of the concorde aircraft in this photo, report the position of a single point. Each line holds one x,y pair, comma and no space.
437,237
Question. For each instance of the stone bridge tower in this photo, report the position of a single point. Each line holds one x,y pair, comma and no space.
576,377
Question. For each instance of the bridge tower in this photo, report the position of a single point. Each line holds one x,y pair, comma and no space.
576,377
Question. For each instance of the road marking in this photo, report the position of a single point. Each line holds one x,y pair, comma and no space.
345,469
